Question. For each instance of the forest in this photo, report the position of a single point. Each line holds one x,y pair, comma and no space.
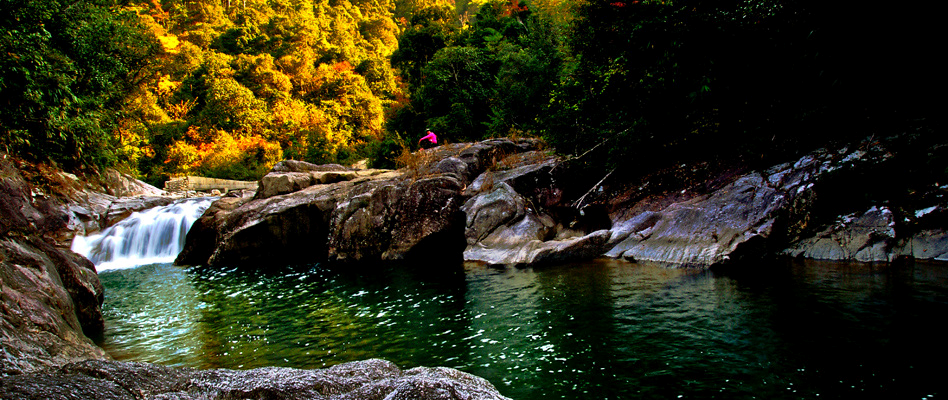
226,88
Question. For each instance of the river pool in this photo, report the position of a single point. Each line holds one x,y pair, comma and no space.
596,330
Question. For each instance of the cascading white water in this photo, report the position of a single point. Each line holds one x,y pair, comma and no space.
152,236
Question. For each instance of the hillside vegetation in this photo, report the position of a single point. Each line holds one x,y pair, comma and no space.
226,88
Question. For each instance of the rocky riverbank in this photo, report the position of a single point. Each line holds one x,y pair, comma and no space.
51,299
509,202
51,302
501,201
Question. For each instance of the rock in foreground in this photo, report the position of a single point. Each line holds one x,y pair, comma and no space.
365,380
51,297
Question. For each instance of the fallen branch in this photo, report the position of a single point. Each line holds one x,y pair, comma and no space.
576,204
608,138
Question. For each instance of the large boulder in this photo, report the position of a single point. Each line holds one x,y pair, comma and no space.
366,380
364,215
290,176
506,202
706,230
281,229
51,297
874,236
120,184
514,216
50,306
930,244
303,166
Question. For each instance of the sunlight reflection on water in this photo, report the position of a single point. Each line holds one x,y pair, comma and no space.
613,329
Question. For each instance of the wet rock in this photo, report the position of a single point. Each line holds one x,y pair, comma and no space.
925,245
123,207
51,302
757,213
427,221
501,205
539,252
365,380
398,219
640,226
280,229
868,237
705,230
205,234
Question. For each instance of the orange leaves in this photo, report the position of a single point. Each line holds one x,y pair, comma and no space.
182,158
513,7
225,156
342,66
180,110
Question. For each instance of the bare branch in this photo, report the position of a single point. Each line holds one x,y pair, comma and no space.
578,203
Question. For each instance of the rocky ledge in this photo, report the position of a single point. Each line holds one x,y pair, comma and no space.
308,213
509,202
363,380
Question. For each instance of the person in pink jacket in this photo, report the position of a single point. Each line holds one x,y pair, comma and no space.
429,140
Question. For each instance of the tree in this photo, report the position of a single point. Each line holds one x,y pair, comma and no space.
66,71
427,32
492,78
665,81
456,94
529,67
309,75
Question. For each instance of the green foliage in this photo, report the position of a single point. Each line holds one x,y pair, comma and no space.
163,85
430,30
457,91
385,153
661,82
490,79
66,71
525,79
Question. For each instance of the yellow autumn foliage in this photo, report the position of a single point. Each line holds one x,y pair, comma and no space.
250,81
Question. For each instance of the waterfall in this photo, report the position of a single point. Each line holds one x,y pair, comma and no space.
151,236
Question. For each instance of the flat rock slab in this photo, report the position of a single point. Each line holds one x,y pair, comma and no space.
366,380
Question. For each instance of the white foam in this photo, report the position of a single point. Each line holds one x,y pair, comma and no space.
151,236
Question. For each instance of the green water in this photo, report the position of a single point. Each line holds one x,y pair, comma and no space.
602,330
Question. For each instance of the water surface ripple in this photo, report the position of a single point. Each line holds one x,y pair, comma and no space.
603,329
